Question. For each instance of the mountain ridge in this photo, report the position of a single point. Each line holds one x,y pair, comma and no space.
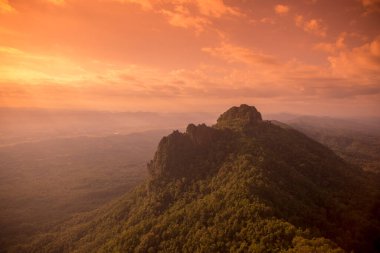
242,185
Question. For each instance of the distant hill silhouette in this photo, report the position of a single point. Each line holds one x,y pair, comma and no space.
355,140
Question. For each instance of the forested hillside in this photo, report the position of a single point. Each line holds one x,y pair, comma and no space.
242,185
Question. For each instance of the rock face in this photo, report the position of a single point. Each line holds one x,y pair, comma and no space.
239,117
182,154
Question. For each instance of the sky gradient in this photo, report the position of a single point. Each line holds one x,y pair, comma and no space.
307,56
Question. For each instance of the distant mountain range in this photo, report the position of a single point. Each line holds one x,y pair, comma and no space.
25,125
241,185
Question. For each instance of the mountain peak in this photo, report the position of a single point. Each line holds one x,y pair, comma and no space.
239,117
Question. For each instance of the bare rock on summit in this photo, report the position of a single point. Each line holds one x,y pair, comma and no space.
239,117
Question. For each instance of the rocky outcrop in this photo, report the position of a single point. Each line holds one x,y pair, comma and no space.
238,118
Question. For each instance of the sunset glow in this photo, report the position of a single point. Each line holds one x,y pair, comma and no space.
307,56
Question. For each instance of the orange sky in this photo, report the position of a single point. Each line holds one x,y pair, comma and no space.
305,56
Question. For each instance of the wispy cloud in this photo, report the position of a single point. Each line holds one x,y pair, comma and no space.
233,53
331,48
196,14
281,9
215,8
371,5
313,26
6,7
145,4
24,67
56,2
360,63
181,17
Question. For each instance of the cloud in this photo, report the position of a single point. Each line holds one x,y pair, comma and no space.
281,9
269,21
236,54
340,42
56,2
6,7
215,8
331,48
181,17
371,5
142,88
24,67
325,47
144,4
264,20
195,14
313,26
360,64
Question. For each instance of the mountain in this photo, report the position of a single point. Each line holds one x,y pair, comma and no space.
242,185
